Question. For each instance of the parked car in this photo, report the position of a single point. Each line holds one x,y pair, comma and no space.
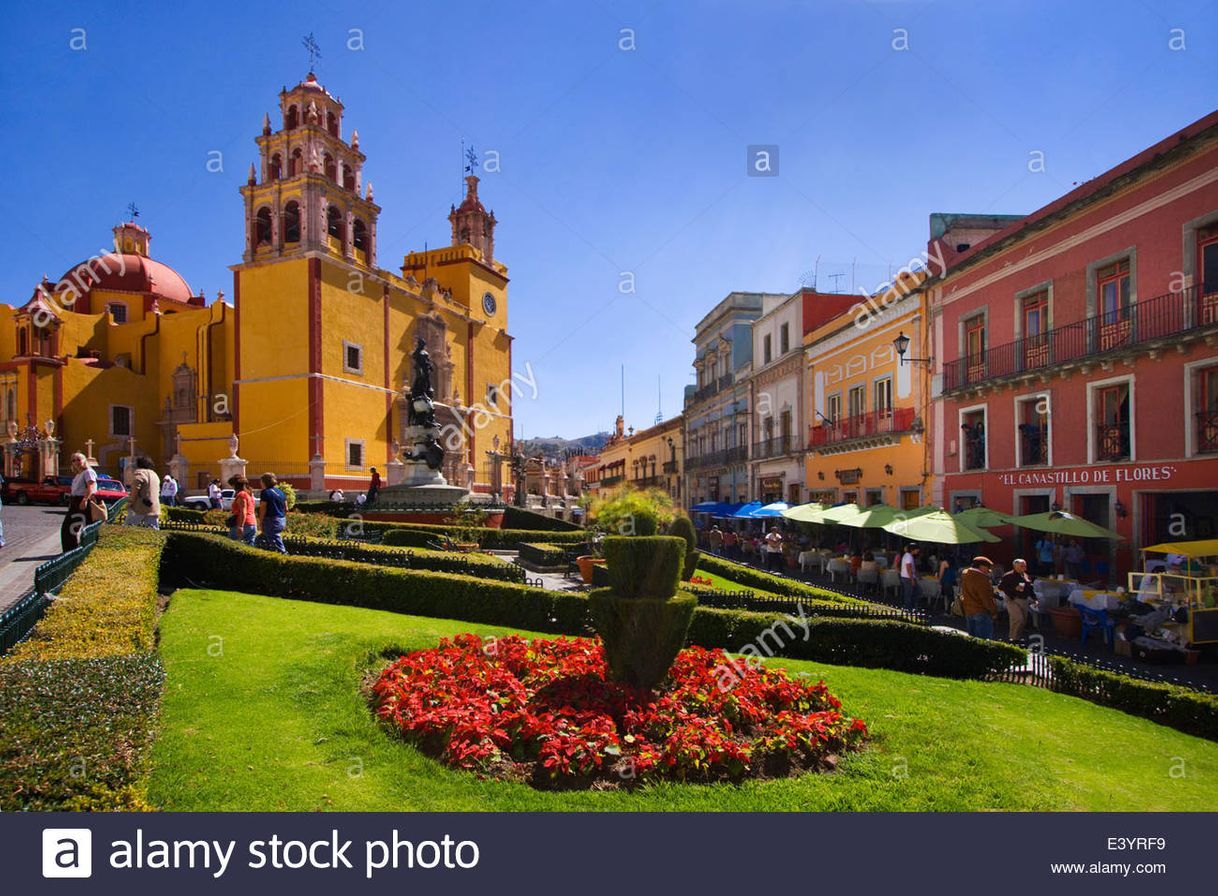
51,490
200,502
110,490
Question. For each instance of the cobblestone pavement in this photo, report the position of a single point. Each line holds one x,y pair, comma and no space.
31,536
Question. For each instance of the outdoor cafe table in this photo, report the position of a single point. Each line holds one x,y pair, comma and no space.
1095,599
890,578
811,558
1052,592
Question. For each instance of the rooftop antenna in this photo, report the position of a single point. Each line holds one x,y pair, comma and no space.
623,391
312,49
659,401
853,262
815,272
836,278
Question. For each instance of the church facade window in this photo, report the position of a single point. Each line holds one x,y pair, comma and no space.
291,222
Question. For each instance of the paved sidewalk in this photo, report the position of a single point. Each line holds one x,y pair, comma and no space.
31,536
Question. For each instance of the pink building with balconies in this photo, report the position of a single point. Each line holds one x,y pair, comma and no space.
1075,355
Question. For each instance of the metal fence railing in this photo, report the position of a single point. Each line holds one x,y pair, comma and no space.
1038,671
759,602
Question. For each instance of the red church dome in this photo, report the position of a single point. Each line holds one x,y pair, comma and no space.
128,272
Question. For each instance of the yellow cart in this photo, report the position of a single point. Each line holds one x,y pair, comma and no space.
1195,586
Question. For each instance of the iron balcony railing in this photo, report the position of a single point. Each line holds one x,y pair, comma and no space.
776,446
1110,332
1112,440
721,458
611,480
670,466
1207,431
861,426
647,482
713,388
1033,445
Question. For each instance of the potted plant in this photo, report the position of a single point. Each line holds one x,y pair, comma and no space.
1067,622
593,558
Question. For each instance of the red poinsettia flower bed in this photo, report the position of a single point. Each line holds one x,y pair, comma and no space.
543,711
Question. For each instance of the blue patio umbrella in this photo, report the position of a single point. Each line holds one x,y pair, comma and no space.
747,511
769,510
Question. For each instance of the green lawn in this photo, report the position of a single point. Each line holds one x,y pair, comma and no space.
262,712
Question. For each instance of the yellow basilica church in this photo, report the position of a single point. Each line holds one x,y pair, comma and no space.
304,364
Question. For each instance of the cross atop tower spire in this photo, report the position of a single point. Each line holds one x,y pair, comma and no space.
313,50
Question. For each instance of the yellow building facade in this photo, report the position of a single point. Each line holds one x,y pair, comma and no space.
649,458
305,363
866,441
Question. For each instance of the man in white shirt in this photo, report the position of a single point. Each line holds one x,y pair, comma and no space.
773,549
214,494
909,577
169,490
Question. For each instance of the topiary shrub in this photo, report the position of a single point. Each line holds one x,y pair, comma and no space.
644,567
683,527
638,513
640,617
642,635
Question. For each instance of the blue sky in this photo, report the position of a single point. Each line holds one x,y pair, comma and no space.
614,159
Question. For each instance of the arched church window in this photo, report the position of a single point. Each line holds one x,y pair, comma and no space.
359,235
293,118
332,123
23,342
331,168
348,178
262,228
291,223
276,166
334,222
294,162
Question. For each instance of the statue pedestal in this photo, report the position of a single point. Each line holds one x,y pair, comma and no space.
317,474
179,468
230,467
395,472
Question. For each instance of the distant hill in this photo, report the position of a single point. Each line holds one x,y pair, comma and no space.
556,446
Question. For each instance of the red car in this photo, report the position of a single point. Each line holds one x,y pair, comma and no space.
52,490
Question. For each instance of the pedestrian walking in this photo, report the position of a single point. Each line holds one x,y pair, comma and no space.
214,494
715,539
1016,586
1074,559
169,490
731,544
242,525
84,487
1044,556
272,514
773,549
909,577
977,597
145,507
949,577
374,487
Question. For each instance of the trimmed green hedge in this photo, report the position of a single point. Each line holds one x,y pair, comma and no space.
764,581
109,605
764,602
77,733
519,518
860,642
1171,705
544,556
224,563
872,643
482,565
644,565
79,698
419,534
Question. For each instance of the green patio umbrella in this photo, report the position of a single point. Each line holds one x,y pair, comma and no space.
872,517
984,518
938,527
806,513
1059,522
